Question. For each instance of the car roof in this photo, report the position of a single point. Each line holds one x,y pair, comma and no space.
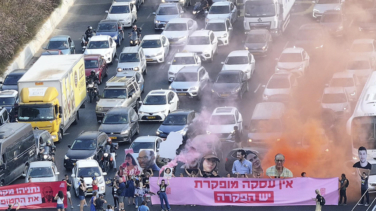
363,41
334,90
224,110
152,37
168,5
92,56
99,38
119,110
229,72
217,20
179,20
88,135
293,50
36,164
159,92
201,33
108,21
59,38
238,53
131,49
221,3
87,163
343,74
8,93
184,54
181,111
191,69
120,3
18,72
268,110
146,139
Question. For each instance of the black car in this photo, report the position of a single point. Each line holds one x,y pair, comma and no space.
11,80
177,121
9,100
313,38
88,145
230,84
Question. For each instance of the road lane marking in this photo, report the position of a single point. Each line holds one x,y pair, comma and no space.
257,88
149,16
142,25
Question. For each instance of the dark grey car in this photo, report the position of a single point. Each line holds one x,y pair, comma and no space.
230,84
120,124
335,23
258,42
11,80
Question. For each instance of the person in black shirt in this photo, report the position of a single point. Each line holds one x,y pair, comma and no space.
115,187
10,207
364,188
237,137
99,203
69,185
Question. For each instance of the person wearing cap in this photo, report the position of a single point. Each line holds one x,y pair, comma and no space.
242,165
99,202
209,164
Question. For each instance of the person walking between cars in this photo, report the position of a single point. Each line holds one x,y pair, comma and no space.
342,190
121,194
364,188
92,201
115,187
162,193
60,201
69,185
99,202
81,194
95,185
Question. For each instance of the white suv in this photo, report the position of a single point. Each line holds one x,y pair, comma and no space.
181,60
204,43
293,60
223,120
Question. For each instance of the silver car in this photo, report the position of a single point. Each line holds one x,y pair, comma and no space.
362,67
165,13
137,76
258,42
191,82
63,43
322,6
347,81
335,99
279,86
42,171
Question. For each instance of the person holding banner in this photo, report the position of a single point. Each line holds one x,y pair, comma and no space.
60,201
10,207
162,193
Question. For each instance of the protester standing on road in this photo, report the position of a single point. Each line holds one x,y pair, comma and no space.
99,202
60,201
242,166
81,194
237,137
318,199
364,188
115,187
121,194
69,185
162,193
342,190
94,184
92,201
139,194
129,191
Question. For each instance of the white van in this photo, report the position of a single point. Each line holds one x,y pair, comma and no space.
266,122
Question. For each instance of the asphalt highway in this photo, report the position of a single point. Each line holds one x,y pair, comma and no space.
89,12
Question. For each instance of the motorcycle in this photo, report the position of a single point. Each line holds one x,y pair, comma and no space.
47,153
198,10
134,38
108,158
85,40
92,89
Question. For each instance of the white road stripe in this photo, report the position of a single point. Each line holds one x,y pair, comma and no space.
149,16
257,88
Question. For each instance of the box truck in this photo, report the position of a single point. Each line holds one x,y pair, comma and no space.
51,93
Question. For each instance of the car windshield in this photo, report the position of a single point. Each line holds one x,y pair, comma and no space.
259,8
328,1
12,79
129,57
359,65
26,113
256,38
137,146
98,45
236,60
107,27
183,60
84,144
309,34
222,120
119,9
334,98
186,76
61,45
115,119
330,18
155,100
216,27
176,27
203,40
37,172
115,93
342,82
362,47
89,172
7,100
151,44
265,126
228,78
290,57
219,10
175,120
167,11
278,83
91,63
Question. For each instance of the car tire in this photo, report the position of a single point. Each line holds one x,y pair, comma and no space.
77,117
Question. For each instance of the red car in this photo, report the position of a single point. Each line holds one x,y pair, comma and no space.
97,63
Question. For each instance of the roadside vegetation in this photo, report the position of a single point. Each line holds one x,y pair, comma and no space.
19,22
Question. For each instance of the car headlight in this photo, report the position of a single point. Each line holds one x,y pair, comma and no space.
131,41
163,1
99,108
119,69
125,132
136,69
45,156
107,54
140,112
160,53
105,155
213,90
66,157
90,158
183,131
321,46
246,48
163,111
184,37
169,87
158,132
277,69
250,140
315,10
53,136
235,91
194,12
156,21
352,94
193,88
263,48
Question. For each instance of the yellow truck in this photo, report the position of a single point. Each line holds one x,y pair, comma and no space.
51,93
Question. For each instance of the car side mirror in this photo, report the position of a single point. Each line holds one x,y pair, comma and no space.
73,175
106,11
140,102
24,175
104,173
230,28
154,13
69,146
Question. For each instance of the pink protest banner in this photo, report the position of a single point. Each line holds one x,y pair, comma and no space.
247,192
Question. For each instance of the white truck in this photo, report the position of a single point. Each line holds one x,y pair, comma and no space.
273,15
51,93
